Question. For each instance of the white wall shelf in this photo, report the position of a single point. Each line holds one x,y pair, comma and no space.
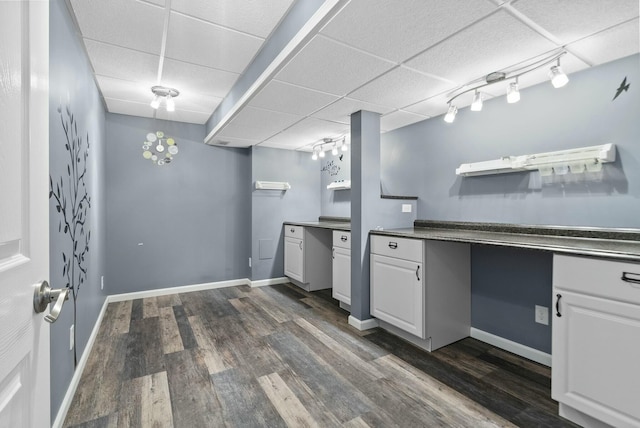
575,160
272,185
339,185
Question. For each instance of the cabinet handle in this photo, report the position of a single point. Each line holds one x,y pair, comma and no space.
333,253
343,238
627,278
418,272
393,245
558,296
301,245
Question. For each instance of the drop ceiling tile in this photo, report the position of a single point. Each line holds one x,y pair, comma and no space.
257,124
618,42
257,17
492,44
341,110
399,88
307,132
199,118
126,23
284,97
122,63
434,106
128,107
126,90
573,20
331,67
398,30
398,119
199,42
196,78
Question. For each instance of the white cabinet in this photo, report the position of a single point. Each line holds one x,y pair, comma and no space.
307,256
341,266
422,288
596,346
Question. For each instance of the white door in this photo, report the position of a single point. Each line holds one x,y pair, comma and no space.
24,212
397,293
294,258
341,275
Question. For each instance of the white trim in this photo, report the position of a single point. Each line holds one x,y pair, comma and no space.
270,281
175,290
77,374
513,347
324,13
363,324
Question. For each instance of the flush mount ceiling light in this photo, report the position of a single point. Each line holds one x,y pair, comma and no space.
327,144
168,94
558,80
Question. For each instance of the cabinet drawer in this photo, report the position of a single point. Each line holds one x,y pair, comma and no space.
603,278
342,239
293,231
402,248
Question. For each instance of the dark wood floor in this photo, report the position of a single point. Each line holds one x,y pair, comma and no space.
278,356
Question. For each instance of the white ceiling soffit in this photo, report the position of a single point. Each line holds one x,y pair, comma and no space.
401,59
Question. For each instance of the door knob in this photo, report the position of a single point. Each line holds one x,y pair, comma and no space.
43,295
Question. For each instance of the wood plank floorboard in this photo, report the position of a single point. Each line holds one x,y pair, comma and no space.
280,356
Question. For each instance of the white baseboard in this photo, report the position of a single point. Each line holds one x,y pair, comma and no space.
77,374
363,324
175,290
513,347
270,281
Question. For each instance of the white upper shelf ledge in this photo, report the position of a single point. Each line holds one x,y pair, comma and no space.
561,161
272,185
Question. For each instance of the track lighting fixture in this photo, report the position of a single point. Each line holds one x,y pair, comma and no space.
513,94
476,105
168,94
319,149
451,114
558,80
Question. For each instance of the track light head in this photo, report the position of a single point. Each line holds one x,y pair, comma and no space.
476,105
155,103
314,156
513,94
321,154
451,114
558,78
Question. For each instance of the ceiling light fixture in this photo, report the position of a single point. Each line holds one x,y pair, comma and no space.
476,105
513,94
168,94
327,144
558,80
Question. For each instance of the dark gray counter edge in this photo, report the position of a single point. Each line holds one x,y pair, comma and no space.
334,219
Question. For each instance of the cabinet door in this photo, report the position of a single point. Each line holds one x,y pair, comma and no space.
294,258
397,293
596,352
341,280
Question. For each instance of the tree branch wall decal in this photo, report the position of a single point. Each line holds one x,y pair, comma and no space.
72,202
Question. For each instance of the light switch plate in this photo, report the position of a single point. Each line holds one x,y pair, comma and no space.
406,208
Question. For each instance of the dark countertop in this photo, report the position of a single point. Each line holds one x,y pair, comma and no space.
333,225
622,244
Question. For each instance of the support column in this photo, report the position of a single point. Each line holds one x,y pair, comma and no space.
365,193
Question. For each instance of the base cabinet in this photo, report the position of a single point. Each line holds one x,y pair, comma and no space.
341,267
294,258
596,346
307,256
422,288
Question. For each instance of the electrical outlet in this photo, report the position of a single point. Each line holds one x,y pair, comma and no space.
102,282
542,315
71,338
406,208
249,261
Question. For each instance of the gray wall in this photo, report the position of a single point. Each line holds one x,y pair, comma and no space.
335,203
71,83
421,159
270,208
191,216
